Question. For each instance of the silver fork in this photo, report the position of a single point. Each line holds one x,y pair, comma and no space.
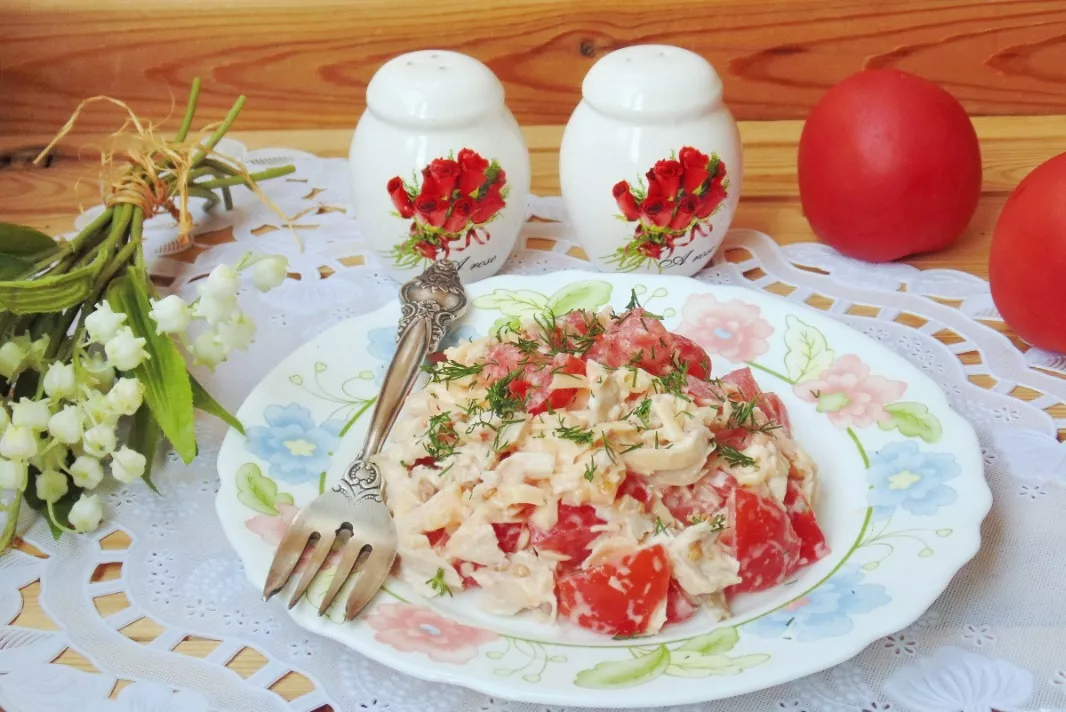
429,303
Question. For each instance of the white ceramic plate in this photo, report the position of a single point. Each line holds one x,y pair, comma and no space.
901,500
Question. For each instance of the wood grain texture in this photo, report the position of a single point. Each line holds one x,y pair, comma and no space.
306,63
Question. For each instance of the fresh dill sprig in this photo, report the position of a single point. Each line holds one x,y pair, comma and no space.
735,457
579,435
660,528
590,470
449,370
642,412
501,400
441,438
438,585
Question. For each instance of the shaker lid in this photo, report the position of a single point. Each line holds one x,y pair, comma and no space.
652,82
433,87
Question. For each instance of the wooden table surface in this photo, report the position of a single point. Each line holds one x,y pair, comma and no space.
48,198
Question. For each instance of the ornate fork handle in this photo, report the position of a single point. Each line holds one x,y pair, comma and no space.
428,305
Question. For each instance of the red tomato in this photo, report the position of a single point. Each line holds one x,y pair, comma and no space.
691,353
889,166
622,597
1028,259
736,438
765,544
438,537
743,379
637,339
679,607
705,497
499,361
812,541
571,534
636,486
774,409
543,397
508,535
704,392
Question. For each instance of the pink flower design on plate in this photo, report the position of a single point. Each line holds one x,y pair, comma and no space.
414,629
733,329
849,394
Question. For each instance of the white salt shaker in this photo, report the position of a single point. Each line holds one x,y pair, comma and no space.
650,163
439,166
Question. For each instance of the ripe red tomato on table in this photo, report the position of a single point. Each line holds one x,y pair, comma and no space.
889,166
1027,266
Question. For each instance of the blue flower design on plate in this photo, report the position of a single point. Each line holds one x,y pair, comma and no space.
826,611
381,343
903,476
295,448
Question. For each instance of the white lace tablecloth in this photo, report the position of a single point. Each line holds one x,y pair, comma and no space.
996,639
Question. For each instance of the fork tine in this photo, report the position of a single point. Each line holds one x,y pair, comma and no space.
370,579
353,555
318,555
286,557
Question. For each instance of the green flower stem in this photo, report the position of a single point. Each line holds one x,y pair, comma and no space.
242,180
122,259
215,137
136,230
772,372
227,198
862,450
12,509
190,111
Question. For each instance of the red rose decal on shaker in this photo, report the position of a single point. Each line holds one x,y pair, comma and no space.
449,208
671,206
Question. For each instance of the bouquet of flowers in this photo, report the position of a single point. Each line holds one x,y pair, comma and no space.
672,208
92,371
458,196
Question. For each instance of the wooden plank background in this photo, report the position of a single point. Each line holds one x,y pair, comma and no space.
305,63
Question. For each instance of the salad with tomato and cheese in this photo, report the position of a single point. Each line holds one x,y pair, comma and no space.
590,467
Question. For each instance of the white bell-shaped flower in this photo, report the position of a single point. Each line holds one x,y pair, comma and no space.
5,418
126,396
12,355
171,314
51,485
18,443
87,472
13,474
222,283
103,323
99,440
32,414
65,426
237,333
86,513
99,373
270,272
127,465
208,349
125,351
59,381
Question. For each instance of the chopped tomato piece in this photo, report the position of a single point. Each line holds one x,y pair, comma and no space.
765,544
508,535
774,409
572,533
468,580
499,361
812,540
436,357
542,397
736,438
623,597
636,487
704,392
704,498
438,537
426,461
635,339
743,379
679,605
691,353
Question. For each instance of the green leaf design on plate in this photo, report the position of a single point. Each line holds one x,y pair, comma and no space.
913,420
717,641
257,491
625,673
808,353
580,295
692,664
512,302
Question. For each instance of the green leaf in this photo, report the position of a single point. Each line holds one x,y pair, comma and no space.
202,400
691,664
144,436
913,420
166,382
717,641
12,266
590,295
808,353
625,673
49,294
22,240
259,492
513,302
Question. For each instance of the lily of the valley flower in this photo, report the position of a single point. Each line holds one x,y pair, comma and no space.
222,283
87,472
208,349
125,351
31,414
99,440
13,475
18,443
96,410
11,356
59,381
269,272
86,513
215,310
236,333
125,396
21,353
51,485
65,426
171,314
127,465
100,373
5,419
103,324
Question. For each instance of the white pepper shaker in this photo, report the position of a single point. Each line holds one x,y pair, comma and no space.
439,166
650,162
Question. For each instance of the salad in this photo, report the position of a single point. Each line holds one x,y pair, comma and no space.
589,466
